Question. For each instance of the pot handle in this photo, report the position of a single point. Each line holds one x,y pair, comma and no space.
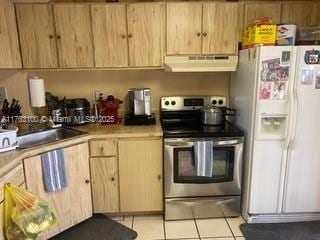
230,112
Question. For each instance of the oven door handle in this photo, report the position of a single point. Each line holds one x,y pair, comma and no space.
190,142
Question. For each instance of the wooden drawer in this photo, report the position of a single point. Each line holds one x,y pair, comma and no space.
101,147
14,176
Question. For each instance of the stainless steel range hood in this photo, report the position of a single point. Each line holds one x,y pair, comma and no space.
217,63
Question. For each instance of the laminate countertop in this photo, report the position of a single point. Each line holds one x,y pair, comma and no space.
11,159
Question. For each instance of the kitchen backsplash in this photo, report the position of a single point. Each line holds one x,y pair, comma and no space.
73,84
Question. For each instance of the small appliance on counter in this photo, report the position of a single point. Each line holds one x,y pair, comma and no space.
109,109
139,107
76,110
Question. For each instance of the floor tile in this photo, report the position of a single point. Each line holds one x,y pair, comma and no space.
117,218
127,221
181,229
148,229
216,227
224,238
240,238
148,217
234,224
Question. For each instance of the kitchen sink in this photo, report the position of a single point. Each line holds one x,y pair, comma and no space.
32,139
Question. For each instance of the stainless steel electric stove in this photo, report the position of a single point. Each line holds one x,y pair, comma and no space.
202,164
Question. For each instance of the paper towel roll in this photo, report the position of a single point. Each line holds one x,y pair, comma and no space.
37,92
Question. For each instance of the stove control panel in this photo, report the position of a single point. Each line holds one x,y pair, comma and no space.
180,103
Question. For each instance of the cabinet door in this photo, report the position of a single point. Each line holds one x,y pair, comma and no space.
259,10
74,35
72,204
220,26
303,14
105,188
9,43
37,35
146,34
140,173
184,27
110,35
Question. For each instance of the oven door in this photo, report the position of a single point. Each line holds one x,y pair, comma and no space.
202,167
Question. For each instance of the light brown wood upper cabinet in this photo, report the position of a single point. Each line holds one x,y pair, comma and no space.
72,204
258,10
184,28
109,26
146,34
74,35
140,173
37,35
9,42
202,28
304,14
220,26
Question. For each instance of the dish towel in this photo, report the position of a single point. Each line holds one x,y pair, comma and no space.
54,170
203,156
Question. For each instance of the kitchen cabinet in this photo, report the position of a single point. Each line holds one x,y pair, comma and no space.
103,147
184,28
104,175
72,204
202,28
37,35
74,35
146,34
220,26
140,175
105,184
109,24
304,14
9,43
253,11
128,35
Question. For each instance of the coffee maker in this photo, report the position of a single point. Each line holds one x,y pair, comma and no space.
139,107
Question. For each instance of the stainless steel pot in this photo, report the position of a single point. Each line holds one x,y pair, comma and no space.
212,115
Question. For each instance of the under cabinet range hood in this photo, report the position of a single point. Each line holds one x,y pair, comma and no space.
217,63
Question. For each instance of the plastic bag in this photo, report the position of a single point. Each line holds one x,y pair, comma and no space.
25,215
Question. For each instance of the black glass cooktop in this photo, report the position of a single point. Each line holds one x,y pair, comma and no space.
196,129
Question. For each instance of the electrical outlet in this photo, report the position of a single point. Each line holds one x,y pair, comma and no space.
3,94
97,94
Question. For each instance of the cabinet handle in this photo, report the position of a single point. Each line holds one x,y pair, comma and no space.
123,36
112,179
198,34
87,181
50,36
130,35
204,34
58,37
159,177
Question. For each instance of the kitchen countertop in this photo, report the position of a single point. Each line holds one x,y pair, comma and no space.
122,131
11,159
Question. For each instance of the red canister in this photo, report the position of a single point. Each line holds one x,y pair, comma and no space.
109,110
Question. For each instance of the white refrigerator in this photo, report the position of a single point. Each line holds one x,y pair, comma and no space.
276,91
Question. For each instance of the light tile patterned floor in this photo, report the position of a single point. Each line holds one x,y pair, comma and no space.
153,227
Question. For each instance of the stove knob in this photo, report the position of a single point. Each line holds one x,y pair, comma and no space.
173,103
220,102
214,102
167,103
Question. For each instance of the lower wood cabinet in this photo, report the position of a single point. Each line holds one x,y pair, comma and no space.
105,184
72,204
140,175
